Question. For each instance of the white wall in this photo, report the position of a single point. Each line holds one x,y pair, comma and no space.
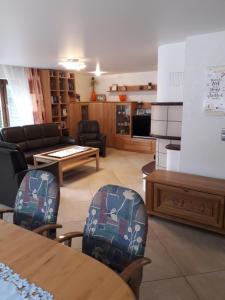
83,86
202,151
171,61
139,78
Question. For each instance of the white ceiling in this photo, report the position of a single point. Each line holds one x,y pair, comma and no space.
122,34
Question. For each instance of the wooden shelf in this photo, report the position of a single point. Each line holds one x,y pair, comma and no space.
60,86
134,88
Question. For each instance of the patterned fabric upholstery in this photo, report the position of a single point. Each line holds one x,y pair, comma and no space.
116,227
37,200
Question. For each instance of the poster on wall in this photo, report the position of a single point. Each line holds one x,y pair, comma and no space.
215,90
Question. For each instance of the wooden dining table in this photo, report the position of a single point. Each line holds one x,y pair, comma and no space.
66,273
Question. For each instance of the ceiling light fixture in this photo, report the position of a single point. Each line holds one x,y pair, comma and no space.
98,72
73,64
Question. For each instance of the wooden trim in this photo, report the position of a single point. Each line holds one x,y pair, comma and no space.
4,102
166,137
168,103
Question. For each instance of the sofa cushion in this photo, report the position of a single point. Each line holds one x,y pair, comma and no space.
88,126
33,144
50,130
93,143
50,141
33,132
90,136
14,135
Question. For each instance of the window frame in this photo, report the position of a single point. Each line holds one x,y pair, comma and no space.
4,102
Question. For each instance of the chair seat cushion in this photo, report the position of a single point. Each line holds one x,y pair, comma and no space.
93,143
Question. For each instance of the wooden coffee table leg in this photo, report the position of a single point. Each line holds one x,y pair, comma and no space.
97,160
35,162
60,175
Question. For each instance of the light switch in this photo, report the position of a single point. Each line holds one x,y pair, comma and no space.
223,134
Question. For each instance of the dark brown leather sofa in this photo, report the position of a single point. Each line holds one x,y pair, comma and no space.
34,139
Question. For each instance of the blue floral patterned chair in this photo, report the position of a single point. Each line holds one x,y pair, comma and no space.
37,203
115,232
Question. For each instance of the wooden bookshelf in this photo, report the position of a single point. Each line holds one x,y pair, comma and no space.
59,91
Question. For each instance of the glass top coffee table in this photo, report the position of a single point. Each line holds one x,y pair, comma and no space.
68,158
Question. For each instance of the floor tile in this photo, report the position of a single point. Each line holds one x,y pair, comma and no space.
162,265
197,254
209,286
170,289
168,229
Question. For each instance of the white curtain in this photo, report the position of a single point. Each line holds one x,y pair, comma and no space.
19,98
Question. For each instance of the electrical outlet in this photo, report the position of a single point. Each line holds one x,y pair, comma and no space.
223,134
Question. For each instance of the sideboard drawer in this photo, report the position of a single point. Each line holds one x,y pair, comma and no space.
190,205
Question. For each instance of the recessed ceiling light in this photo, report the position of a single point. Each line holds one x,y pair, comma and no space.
98,72
73,64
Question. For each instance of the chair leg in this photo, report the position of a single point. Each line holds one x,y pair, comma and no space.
68,243
135,283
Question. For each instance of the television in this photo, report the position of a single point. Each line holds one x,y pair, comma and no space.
141,126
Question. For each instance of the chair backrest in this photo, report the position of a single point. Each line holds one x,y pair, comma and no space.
88,126
37,200
116,227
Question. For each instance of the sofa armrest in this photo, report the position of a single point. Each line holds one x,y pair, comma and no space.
102,138
67,140
82,140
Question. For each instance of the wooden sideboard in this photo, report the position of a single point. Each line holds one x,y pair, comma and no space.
186,198
105,114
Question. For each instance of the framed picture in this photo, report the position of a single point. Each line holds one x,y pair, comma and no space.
114,87
101,97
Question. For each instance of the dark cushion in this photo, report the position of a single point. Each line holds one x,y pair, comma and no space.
13,153
33,144
7,145
33,132
90,136
50,130
33,135
88,126
93,143
14,135
50,141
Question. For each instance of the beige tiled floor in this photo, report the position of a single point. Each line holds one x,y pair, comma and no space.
187,263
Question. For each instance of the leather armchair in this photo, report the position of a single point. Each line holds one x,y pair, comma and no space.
12,171
89,135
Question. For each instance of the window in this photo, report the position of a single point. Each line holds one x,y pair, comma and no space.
16,115
16,107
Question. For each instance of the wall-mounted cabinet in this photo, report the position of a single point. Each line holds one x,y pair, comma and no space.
58,91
